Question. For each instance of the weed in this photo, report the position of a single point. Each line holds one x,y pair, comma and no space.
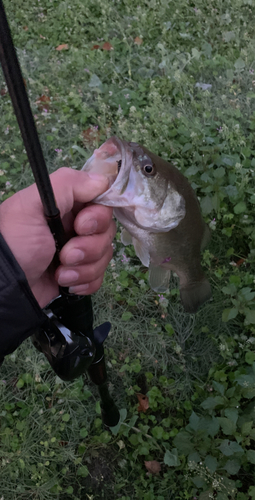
177,77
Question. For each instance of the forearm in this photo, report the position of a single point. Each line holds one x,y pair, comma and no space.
20,313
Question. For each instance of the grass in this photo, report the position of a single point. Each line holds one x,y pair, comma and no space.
178,78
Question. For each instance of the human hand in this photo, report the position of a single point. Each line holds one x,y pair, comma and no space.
85,256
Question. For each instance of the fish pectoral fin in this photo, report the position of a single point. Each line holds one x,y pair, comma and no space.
159,278
194,296
141,252
126,238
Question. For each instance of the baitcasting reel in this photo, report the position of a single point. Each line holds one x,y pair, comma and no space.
72,347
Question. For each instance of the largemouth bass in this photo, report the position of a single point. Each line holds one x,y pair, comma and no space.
160,214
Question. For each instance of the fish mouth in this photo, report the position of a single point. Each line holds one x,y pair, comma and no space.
119,162
117,155
113,159
123,156
106,160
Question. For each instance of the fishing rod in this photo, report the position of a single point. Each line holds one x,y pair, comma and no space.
67,338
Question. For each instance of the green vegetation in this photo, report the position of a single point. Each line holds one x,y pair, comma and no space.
179,78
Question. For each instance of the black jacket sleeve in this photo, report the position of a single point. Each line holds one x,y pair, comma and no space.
20,313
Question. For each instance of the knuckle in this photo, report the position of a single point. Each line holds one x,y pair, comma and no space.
111,233
91,272
94,287
61,171
110,254
64,173
98,252
114,228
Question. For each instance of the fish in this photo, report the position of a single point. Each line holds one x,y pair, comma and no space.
160,215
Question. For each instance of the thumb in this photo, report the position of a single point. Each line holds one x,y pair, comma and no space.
72,186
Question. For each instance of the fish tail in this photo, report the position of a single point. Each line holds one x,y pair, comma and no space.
194,296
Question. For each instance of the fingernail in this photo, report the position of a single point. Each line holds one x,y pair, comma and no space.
78,288
89,226
67,277
74,256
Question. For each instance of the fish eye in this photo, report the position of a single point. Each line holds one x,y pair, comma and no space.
149,170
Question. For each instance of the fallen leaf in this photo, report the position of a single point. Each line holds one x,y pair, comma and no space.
107,46
43,98
43,102
64,46
153,467
91,135
143,402
123,355
63,443
25,28
95,47
138,40
240,262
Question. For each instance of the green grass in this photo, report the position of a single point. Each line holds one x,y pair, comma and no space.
53,443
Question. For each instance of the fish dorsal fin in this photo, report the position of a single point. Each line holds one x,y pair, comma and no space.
159,278
126,238
141,252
